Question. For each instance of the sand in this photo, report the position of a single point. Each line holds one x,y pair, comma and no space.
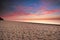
10,30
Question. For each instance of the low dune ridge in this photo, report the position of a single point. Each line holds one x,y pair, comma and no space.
10,30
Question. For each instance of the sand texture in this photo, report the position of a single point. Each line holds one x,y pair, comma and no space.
28,31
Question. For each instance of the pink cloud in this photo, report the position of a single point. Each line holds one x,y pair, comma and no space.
43,10
20,11
50,11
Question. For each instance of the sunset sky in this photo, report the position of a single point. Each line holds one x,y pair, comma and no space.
31,10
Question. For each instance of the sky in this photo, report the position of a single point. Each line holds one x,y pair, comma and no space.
30,10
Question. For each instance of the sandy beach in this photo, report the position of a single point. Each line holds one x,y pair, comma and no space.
10,30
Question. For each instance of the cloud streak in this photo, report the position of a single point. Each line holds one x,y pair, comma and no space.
30,10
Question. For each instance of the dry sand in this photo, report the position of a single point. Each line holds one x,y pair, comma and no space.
28,31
